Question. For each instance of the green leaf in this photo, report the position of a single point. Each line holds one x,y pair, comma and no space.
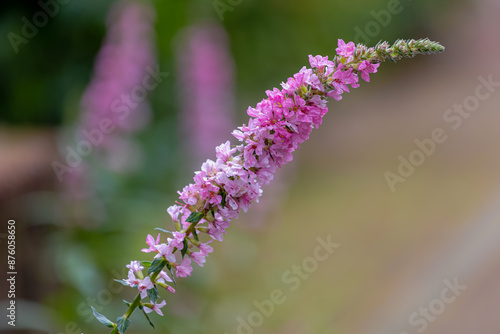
185,248
162,230
195,235
147,317
195,217
126,303
153,294
122,323
156,266
223,202
102,319
122,282
146,264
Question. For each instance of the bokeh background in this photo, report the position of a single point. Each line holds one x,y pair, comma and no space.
398,247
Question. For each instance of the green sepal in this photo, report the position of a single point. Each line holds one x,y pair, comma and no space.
146,264
102,319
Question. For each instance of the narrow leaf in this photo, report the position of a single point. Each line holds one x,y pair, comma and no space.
195,217
102,319
153,294
162,230
122,282
147,317
195,235
223,202
122,323
169,267
156,266
185,248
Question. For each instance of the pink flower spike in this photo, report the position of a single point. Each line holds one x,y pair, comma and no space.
144,286
184,269
156,308
150,240
277,127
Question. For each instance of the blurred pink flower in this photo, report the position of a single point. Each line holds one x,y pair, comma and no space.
206,81
121,65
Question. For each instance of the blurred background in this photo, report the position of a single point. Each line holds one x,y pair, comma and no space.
107,108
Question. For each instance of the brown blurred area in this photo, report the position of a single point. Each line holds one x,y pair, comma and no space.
27,154
25,169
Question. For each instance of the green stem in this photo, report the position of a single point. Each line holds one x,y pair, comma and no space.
134,304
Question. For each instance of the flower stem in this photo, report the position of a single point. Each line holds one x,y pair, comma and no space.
133,306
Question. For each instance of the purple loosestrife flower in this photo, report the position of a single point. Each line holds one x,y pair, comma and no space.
164,276
148,308
199,258
184,269
276,128
144,286
135,266
165,251
152,243
345,50
132,280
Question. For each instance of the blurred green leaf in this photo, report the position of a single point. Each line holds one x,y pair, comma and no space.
102,319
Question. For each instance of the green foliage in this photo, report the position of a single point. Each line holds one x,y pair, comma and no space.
122,324
195,217
153,294
147,317
156,266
